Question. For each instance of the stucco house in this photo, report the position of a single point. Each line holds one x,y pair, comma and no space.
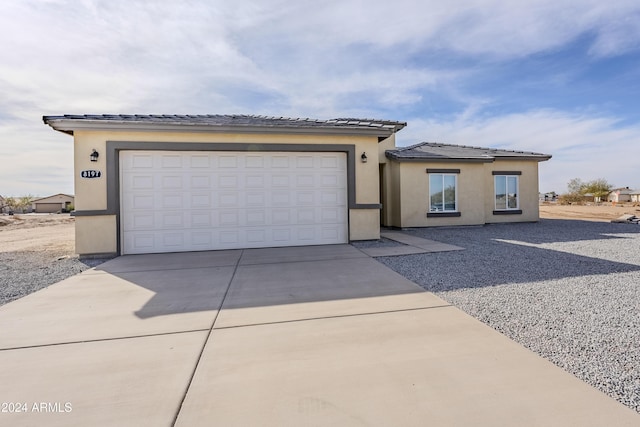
172,183
52,204
635,196
620,195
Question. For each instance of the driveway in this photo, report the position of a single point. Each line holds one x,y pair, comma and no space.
320,335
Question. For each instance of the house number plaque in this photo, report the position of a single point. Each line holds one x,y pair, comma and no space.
90,174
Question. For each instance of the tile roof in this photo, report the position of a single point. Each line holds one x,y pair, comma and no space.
219,121
439,152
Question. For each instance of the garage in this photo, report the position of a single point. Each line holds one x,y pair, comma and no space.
48,207
176,201
150,183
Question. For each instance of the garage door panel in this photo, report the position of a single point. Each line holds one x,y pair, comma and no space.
281,181
255,181
202,239
182,201
167,201
227,181
280,161
201,182
228,161
199,161
202,219
304,161
172,182
229,218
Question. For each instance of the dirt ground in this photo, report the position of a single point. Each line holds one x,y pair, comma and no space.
605,212
37,232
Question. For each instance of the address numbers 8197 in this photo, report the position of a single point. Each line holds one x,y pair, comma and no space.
90,174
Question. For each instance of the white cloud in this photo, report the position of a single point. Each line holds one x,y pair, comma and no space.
500,28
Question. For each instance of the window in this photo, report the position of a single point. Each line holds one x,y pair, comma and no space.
506,189
442,192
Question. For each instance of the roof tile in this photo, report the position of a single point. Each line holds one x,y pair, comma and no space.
434,150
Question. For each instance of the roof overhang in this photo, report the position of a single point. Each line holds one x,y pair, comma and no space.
417,159
443,159
71,125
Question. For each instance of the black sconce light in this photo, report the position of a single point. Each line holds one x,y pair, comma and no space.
94,155
364,157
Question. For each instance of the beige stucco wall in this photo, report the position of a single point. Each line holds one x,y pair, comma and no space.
364,224
528,188
391,203
384,145
96,234
91,194
410,193
414,194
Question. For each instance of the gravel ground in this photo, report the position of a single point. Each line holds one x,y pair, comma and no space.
567,290
24,272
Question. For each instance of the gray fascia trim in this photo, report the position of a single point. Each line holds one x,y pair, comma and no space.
113,165
443,214
531,158
93,213
508,212
69,126
443,170
366,206
437,160
506,173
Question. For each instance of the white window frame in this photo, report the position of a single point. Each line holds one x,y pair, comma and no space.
444,210
495,192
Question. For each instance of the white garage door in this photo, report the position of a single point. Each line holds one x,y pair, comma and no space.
192,201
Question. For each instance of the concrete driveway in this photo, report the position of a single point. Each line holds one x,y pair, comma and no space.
290,336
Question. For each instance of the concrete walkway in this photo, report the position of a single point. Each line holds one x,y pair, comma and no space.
408,245
271,337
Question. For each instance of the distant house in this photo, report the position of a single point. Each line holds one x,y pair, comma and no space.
52,204
590,197
547,197
3,208
619,195
635,196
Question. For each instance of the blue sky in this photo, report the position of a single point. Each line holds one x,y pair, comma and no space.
554,76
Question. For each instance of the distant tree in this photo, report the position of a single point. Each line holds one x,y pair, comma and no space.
575,186
11,203
598,187
19,203
575,191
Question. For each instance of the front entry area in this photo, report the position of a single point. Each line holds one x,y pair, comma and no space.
177,201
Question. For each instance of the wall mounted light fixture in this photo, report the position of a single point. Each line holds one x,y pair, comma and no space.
364,157
94,155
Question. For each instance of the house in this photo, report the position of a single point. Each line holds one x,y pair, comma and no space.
173,183
547,197
635,196
619,195
52,204
590,197
432,184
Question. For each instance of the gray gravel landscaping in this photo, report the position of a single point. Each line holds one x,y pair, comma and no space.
567,290
22,273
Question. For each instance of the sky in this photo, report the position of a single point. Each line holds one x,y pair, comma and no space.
560,77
